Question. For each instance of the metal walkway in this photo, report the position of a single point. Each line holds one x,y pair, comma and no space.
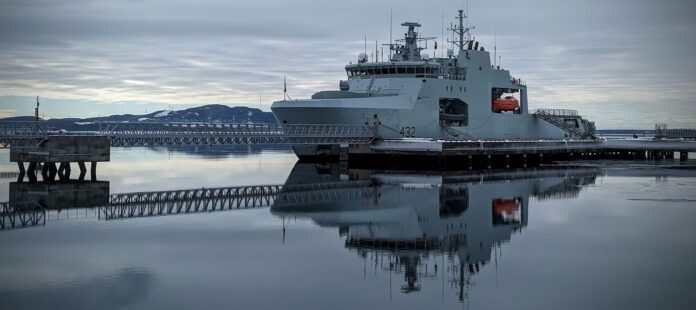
19,134
662,132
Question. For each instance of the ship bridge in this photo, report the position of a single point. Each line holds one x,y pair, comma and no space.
406,59
394,69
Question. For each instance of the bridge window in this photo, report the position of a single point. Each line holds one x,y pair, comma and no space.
418,70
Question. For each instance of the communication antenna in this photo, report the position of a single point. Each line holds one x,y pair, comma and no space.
365,45
467,13
36,111
391,26
442,34
495,46
376,52
285,89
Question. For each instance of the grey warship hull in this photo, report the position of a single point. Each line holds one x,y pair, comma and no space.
460,97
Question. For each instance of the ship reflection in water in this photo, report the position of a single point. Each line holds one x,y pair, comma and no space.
414,223
421,227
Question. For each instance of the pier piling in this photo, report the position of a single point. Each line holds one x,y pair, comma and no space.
54,155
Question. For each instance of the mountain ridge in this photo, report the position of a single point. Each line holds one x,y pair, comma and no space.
210,113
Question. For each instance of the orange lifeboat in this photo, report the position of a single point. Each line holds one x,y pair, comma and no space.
508,103
505,206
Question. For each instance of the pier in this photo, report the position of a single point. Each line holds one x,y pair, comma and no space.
52,152
511,153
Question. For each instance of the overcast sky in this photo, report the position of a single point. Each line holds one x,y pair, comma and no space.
622,63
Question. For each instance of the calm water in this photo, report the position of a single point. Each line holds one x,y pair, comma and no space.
594,235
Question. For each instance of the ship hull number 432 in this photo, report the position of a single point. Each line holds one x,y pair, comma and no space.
408,132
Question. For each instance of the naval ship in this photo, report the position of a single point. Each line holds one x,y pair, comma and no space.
457,97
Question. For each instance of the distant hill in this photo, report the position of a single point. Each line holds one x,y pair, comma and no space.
215,113
19,119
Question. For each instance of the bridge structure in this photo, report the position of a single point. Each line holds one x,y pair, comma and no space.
31,134
22,134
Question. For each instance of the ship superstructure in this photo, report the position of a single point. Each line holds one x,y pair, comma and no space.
458,97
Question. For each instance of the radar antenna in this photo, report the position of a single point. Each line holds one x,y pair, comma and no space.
409,49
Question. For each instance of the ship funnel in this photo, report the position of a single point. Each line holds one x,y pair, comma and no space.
450,53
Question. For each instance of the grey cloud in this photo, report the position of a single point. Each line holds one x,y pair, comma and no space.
611,60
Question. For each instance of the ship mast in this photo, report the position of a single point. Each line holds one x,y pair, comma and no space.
461,30
461,26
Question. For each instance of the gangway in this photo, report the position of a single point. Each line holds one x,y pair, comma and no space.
555,117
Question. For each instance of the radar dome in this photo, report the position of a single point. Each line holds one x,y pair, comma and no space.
425,56
362,58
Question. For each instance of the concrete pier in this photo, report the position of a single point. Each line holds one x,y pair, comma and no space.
410,152
55,154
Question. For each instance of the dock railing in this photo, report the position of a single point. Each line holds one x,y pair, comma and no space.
557,112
